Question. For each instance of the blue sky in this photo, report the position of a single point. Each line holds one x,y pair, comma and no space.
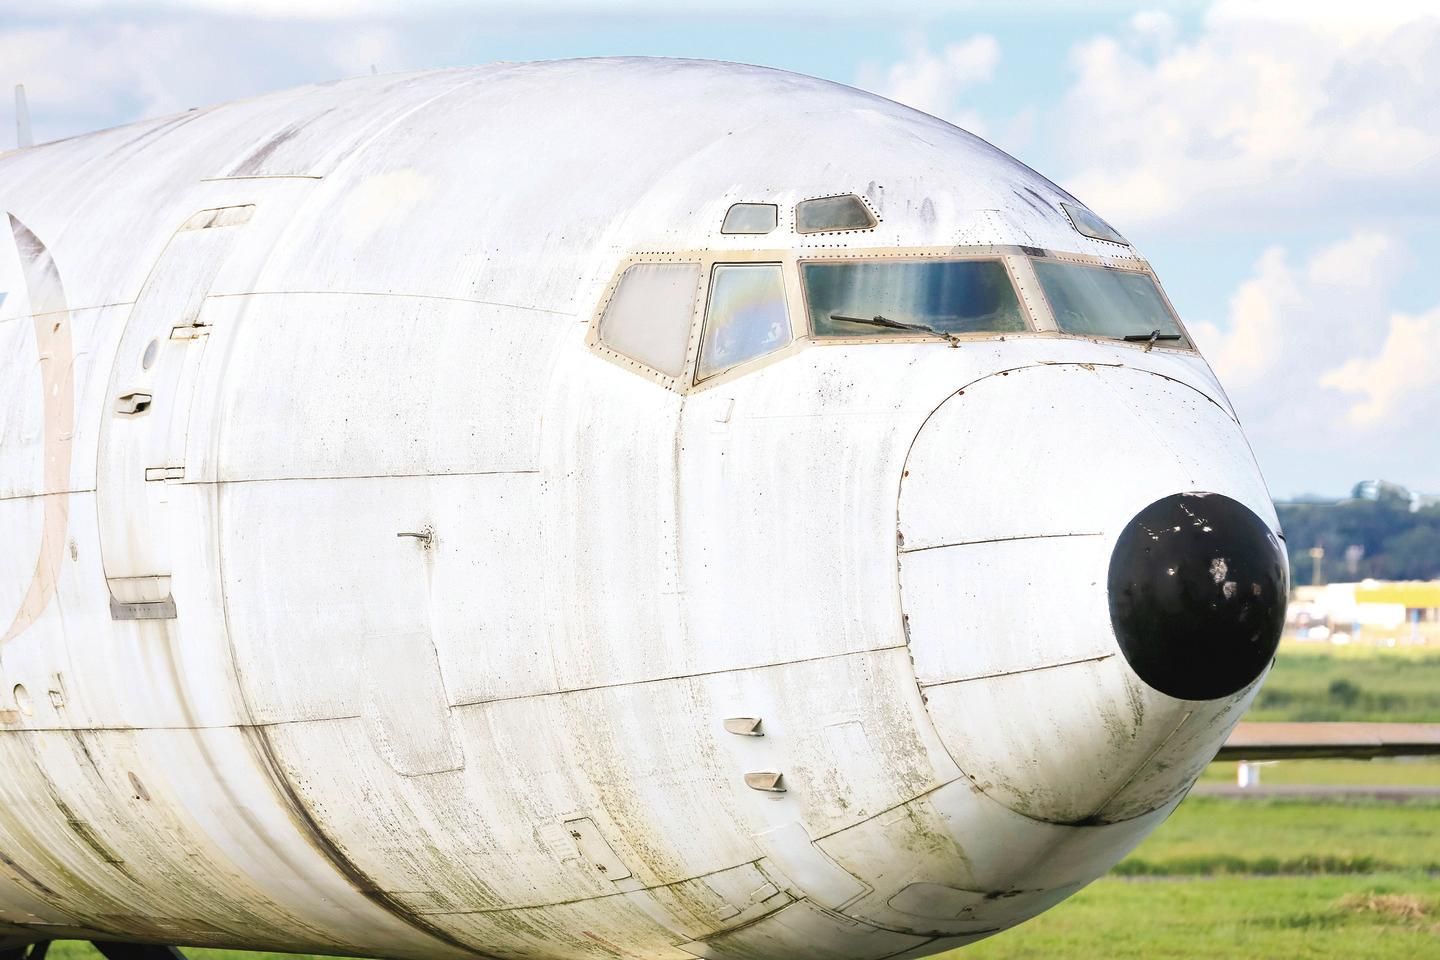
1278,163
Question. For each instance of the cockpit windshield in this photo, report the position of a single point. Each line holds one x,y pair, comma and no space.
889,298
1097,301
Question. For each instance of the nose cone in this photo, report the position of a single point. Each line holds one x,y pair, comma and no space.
1085,633
1197,595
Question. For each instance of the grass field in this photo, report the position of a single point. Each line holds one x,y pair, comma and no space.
1256,878
1262,836
1320,682
1392,917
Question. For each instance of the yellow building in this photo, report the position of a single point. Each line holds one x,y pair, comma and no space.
1405,610
1419,597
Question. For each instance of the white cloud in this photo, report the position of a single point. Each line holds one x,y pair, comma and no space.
82,76
1366,257
1260,310
1155,29
936,82
1265,113
356,51
1344,17
1298,353
1403,375
816,11
324,10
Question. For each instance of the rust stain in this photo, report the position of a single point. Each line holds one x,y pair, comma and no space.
57,355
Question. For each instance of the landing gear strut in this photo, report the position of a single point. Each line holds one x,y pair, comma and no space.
35,951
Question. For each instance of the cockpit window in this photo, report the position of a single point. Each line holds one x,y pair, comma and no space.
751,218
833,214
648,317
1085,222
887,298
746,317
1099,301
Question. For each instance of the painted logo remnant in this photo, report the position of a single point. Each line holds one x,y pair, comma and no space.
51,319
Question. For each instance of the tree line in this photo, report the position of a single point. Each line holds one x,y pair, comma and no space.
1381,538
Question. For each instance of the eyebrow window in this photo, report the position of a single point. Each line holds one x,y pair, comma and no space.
751,218
745,318
1087,223
833,214
648,317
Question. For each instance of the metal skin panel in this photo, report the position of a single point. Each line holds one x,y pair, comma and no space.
391,363
446,589
826,935
609,567
996,867
463,601
964,634
133,828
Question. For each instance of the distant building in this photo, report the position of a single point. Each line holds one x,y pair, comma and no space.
1379,606
1376,489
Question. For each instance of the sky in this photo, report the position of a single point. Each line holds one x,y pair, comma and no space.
1277,162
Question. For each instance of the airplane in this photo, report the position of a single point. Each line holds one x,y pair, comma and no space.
603,508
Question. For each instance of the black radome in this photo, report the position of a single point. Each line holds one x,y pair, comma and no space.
1198,584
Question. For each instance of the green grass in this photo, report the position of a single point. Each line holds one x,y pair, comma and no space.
1256,878
1394,917
1351,683
1208,835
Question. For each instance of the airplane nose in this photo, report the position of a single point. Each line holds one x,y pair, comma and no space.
1197,595
1084,631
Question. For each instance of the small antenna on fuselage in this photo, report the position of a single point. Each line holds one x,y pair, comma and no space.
22,118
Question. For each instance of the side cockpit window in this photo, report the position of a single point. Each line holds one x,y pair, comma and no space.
745,318
649,314
1096,301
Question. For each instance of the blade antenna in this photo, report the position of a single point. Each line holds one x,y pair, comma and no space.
22,118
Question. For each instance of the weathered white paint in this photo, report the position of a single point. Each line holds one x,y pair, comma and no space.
461,604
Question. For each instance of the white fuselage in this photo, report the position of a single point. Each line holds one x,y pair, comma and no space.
354,598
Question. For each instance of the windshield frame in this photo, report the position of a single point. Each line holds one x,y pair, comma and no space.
1018,260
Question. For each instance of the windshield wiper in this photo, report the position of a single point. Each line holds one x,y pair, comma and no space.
879,321
1149,338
